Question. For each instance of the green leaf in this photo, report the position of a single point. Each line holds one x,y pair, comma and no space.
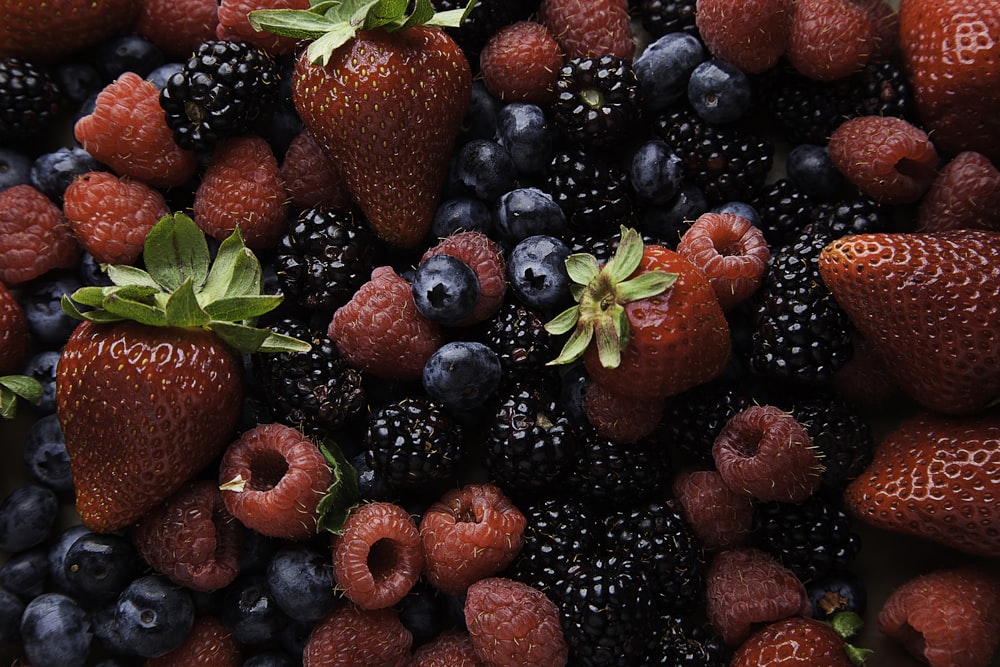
235,271
857,655
627,256
123,274
577,344
182,308
294,23
609,343
70,309
125,307
13,387
239,308
451,18
320,50
175,250
644,286
423,11
91,295
383,13
564,321
249,339
282,343
343,494
582,267
847,623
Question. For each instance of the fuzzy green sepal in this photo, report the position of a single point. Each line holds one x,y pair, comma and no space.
14,387
343,494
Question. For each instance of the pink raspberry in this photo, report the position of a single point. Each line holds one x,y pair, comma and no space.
349,635
621,419
750,34
310,179
451,648
719,516
829,39
521,63
589,28
35,237
964,195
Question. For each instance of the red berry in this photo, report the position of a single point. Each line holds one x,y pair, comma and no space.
14,333
209,644
746,586
378,557
888,158
885,28
112,215
793,642
621,419
589,28
451,648
350,635
964,195
719,516
514,625
34,236
731,252
242,187
750,34
485,258
521,63
272,480
764,453
128,131
829,39
470,534
177,27
234,24
310,179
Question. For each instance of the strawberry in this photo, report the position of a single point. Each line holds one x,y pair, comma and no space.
52,31
793,642
935,476
647,323
920,299
385,95
951,52
149,386
14,334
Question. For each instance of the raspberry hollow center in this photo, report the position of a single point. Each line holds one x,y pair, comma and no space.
383,559
267,468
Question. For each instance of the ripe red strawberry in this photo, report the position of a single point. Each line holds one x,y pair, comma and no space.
14,334
793,642
150,386
951,51
310,179
485,258
918,298
177,27
385,100
350,635
209,644
589,28
964,195
52,31
946,618
935,477
521,63
829,39
34,236
647,324
752,35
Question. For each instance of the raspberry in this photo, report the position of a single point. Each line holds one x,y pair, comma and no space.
485,258
885,28
793,642
242,188
887,158
829,39
946,617
350,635
513,624
764,453
451,648
732,253
128,131
520,63
380,330
177,28
310,179
192,539
15,337
719,516
746,586
378,557
470,534
209,644
34,236
272,480
750,34
111,215
620,419
589,28
964,195
234,24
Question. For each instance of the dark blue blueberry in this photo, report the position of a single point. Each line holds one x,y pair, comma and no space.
51,173
301,582
11,609
525,212
655,172
57,555
422,612
809,167
15,168
98,566
462,374
536,272
153,616
250,612
26,573
158,77
663,68
48,323
480,121
270,659
90,272
719,91
45,455
460,214
128,53
445,289
573,386
42,367
740,208
482,168
79,80
837,592
102,620
55,632
371,484
668,223
27,517
524,131
258,550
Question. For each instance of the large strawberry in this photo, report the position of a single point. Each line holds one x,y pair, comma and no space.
149,386
49,31
929,305
937,477
951,51
384,92
647,323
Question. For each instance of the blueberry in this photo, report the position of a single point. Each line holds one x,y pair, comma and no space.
669,222
99,566
719,91
11,609
740,208
102,622
480,120
15,168
45,455
663,68
484,169
41,300
153,616
55,632
57,555
79,80
422,612
258,550
90,272
250,612
26,573
809,167
525,212
27,516
270,659
51,173
460,214
42,367
445,289
655,172
536,271
128,53
573,386
524,131
301,583
158,76
371,483
837,592
462,374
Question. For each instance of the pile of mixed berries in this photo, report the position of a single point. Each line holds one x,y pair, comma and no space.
517,333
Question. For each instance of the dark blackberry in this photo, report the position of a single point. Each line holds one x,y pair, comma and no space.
517,334
811,538
314,391
325,256
726,162
784,211
686,643
602,246
613,475
853,216
660,17
841,435
596,101
483,21
29,100
807,111
592,191
882,89
223,88
693,419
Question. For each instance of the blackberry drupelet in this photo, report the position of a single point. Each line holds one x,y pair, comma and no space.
660,17
784,211
693,419
325,256
483,21
596,101
29,100
614,475
685,643
883,90
223,89
592,191
841,435
517,334
853,216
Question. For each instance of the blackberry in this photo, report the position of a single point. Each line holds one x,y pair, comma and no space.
517,334
29,100
660,17
807,111
784,211
685,643
223,88
484,20
314,391
596,101
882,89
592,191
693,419
853,216
558,533
614,475
325,256
841,435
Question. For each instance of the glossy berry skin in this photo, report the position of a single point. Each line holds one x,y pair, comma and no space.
445,289
15,334
655,172
462,375
537,274
67,29
301,582
719,91
15,168
48,323
523,129
27,517
810,168
25,573
793,642
53,172
457,214
153,616
663,68
250,611
482,168
55,631
527,211
99,566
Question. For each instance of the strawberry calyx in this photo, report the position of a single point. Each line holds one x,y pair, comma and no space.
601,294
343,494
332,23
14,387
847,624
182,287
